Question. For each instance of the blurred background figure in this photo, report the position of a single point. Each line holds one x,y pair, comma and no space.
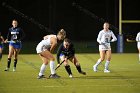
1,45
138,44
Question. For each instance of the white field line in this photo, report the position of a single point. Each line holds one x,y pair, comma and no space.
51,86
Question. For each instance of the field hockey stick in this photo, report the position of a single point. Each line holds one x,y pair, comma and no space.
106,46
60,64
9,42
12,41
128,40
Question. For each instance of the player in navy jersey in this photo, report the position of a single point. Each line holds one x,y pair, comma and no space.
66,51
1,45
14,37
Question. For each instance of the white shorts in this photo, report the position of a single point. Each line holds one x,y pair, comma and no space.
62,56
40,48
104,47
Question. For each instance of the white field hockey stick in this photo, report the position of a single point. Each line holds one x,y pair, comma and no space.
12,41
128,40
106,46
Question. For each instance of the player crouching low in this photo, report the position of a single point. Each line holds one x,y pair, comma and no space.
66,52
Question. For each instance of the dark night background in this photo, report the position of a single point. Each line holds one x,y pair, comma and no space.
57,14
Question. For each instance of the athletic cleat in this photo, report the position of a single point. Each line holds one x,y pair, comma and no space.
82,72
40,77
95,68
7,69
106,71
54,76
14,69
70,76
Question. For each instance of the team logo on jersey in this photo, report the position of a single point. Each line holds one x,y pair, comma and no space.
14,33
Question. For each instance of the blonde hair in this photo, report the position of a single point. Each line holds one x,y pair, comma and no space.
62,33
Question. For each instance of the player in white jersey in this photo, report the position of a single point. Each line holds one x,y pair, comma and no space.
104,38
138,43
45,49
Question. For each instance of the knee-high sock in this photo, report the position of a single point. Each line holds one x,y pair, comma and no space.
8,62
68,69
42,69
98,62
0,56
78,67
107,64
52,67
15,62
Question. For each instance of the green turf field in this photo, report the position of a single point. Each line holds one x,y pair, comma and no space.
124,76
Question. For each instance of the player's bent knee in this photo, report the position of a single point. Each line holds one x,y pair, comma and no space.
52,59
45,63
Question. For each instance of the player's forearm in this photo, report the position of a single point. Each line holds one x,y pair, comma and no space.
99,41
114,38
52,48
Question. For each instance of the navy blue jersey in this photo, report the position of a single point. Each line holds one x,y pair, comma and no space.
67,52
15,34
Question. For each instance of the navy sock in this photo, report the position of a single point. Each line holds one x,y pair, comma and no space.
15,62
78,67
8,62
68,69
0,56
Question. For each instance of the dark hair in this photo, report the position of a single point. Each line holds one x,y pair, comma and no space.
106,22
67,40
14,20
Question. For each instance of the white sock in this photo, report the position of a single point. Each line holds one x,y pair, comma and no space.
139,57
42,69
98,62
107,64
52,67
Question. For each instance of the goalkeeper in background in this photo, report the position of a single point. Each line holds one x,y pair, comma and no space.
66,52
14,37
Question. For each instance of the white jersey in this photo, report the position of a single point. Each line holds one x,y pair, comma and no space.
138,40
104,38
44,44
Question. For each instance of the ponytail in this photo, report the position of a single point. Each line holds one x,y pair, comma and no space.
62,33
